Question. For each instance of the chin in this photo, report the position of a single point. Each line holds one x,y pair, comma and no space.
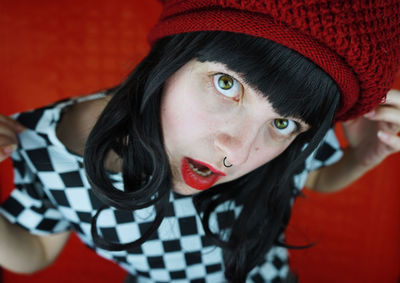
183,189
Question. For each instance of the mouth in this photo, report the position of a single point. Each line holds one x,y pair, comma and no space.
199,175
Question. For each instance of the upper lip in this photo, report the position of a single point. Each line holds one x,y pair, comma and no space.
216,171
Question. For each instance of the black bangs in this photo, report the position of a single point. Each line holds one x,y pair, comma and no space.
294,85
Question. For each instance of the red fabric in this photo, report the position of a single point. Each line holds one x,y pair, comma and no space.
56,49
356,42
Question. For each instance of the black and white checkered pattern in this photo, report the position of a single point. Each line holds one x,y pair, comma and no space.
52,195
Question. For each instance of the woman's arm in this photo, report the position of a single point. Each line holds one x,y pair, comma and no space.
23,252
371,139
336,176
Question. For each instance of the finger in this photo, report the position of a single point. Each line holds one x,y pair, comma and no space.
5,151
12,123
392,141
392,98
7,140
7,134
388,127
387,114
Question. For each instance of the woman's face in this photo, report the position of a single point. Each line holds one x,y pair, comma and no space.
208,112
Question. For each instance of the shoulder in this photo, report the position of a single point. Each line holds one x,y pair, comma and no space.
77,121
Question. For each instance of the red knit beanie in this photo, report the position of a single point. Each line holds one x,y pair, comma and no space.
357,42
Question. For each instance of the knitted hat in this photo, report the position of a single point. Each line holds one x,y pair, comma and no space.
357,42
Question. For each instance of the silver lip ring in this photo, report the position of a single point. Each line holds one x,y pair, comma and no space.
227,166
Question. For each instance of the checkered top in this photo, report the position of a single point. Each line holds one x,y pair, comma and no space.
52,194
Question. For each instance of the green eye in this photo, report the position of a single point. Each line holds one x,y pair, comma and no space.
225,82
281,124
227,86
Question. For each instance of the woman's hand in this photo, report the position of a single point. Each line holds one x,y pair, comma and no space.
8,136
374,136
371,139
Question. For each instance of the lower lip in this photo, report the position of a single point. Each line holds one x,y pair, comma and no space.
196,181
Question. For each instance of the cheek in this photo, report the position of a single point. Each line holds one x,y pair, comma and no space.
275,151
182,118
180,128
262,155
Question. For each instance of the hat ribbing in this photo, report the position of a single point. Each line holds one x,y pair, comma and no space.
357,42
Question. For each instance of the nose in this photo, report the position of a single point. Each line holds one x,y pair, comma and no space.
236,147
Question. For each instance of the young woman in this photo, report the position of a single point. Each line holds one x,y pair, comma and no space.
188,169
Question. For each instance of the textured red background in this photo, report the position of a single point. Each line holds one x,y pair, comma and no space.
55,49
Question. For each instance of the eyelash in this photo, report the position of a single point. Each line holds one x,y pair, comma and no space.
297,128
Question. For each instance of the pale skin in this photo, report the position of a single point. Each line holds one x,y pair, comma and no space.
25,253
203,121
371,139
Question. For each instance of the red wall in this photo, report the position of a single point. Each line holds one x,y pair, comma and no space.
56,49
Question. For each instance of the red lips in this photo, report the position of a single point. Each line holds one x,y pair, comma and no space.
199,175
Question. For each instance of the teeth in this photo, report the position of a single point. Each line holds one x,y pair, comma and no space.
201,173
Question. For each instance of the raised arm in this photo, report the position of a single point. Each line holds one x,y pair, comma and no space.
371,139
21,251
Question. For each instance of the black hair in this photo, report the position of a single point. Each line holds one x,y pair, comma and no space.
130,125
